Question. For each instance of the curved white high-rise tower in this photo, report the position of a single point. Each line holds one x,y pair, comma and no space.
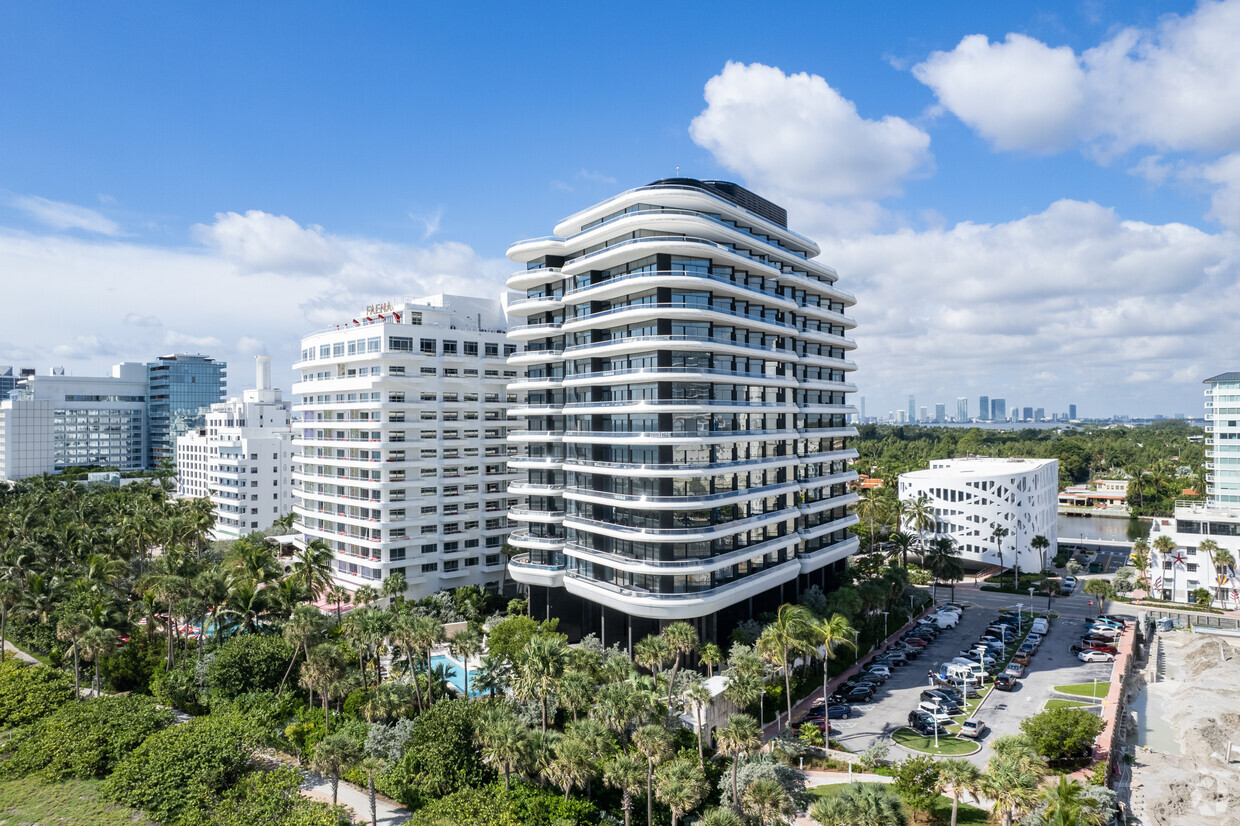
687,410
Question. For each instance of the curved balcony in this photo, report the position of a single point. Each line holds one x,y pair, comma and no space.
672,245
843,342
702,437
529,515
638,313
823,314
684,374
619,346
532,489
531,573
522,280
524,539
536,357
528,249
688,501
820,287
678,567
536,383
535,463
832,553
841,501
688,279
830,527
615,531
678,406
535,435
522,307
642,603
675,469
834,479
526,332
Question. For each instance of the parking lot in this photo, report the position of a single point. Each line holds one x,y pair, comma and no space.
1002,712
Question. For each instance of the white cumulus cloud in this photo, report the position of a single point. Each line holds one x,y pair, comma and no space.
798,139
259,242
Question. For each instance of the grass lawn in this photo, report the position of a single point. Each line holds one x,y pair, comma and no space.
910,739
34,802
940,813
1055,702
1097,691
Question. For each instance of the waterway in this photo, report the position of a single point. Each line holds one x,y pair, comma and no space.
1102,527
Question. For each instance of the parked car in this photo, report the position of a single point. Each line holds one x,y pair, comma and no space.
1095,657
1005,682
972,728
950,695
1068,583
938,713
1014,669
860,694
878,668
839,711
1103,632
947,701
924,724
875,678
1121,620
1022,657
916,642
894,658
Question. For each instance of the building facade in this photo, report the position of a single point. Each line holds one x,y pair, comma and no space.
1177,574
998,410
687,405
241,459
972,497
10,376
179,386
983,408
962,409
400,453
54,421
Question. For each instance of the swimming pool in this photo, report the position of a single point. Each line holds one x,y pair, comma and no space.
455,672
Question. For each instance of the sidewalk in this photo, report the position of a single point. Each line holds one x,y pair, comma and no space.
13,651
387,812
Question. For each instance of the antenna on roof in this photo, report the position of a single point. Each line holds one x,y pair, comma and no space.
677,170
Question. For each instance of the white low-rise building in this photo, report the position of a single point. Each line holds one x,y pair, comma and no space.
972,497
400,453
241,459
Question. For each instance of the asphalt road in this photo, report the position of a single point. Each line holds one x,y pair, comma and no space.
1002,711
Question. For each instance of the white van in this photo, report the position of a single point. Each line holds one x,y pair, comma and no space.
1040,626
958,671
975,668
946,619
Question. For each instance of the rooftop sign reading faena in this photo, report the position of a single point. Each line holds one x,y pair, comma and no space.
385,307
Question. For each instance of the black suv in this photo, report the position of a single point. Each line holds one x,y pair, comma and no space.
950,704
922,723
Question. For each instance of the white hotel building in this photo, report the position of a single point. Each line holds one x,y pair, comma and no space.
400,453
971,497
687,415
1176,575
241,459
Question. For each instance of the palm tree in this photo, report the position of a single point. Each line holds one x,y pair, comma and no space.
1222,560
963,777
337,595
491,675
10,598
869,504
711,656
698,696
306,620
97,643
739,737
503,741
70,630
1141,561
766,800
682,639
373,765
333,756
652,653
1067,805
793,631
918,514
936,559
465,644
655,744
323,670
312,568
427,633
571,766
576,692
542,665
720,817
626,775
1040,543
1011,780
681,786
998,534
860,806
834,631
1165,546
901,542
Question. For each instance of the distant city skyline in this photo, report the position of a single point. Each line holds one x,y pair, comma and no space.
183,199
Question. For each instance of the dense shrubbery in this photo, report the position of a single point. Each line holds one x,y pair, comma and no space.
1062,734
439,756
267,797
29,693
86,740
249,662
184,769
491,805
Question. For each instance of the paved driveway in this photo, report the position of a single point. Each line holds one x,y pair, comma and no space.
1002,711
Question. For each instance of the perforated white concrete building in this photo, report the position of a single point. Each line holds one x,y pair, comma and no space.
241,459
971,497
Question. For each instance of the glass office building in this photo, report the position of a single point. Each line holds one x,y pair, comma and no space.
178,387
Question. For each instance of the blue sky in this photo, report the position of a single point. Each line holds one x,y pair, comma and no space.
1045,212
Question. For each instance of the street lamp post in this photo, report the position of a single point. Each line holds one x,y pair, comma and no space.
1031,603
884,626
936,724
